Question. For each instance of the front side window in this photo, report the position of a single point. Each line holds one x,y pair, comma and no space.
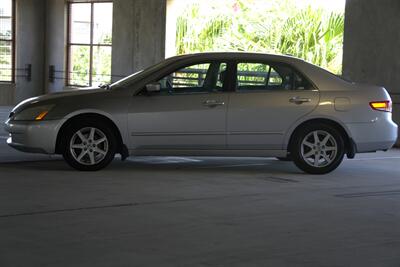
199,78
89,43
268,77
7,40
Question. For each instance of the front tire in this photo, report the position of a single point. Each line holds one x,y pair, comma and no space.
89,146
318,148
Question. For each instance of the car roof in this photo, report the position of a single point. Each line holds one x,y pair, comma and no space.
322,78
238,55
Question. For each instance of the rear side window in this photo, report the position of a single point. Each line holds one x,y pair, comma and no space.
268,77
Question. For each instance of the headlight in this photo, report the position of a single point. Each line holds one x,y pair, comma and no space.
33,114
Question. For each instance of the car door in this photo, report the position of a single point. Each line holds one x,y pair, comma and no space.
268,99
189,111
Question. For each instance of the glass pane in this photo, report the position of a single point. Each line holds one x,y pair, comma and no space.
5,29
6,8
274,79
252,76
281,77
102,23
5,60
79,65
187,80
80,23
101,65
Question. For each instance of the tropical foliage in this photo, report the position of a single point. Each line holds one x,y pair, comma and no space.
313,34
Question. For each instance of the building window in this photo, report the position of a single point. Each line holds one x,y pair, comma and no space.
89,43
7,40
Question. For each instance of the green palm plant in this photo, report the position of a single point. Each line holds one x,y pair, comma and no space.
312,34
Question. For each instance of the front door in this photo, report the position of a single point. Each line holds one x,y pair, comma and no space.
188,113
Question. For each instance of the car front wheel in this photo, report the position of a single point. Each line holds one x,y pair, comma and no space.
89,146
318,149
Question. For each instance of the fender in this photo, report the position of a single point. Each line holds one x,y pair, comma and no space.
120,123
305,119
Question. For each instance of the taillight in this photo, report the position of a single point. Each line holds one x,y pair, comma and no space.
382,105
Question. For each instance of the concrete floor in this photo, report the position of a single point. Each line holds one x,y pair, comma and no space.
198,212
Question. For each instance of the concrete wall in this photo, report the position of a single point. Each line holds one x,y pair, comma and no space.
7,92
30,25
371,50
138,35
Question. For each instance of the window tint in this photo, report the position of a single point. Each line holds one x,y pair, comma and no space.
261,76
199,78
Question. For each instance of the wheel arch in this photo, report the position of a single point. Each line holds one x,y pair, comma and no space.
60,142
350,146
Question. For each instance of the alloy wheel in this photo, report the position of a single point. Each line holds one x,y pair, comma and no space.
319,148
89,146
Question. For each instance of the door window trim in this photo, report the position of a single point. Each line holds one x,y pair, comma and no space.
270,63
182,65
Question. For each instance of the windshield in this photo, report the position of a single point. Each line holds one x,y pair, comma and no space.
126,79
142,73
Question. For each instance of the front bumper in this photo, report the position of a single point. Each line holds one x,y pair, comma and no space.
33,136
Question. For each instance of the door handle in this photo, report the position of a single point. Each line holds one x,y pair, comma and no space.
213,103
299,100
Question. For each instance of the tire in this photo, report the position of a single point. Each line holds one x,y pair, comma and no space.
89,145
320,141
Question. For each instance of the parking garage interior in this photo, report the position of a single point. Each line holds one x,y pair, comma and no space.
188,211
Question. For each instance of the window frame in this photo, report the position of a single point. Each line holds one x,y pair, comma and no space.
182,65
272,64
90,44
12,41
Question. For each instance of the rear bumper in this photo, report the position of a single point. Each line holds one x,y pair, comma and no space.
373,136
32,136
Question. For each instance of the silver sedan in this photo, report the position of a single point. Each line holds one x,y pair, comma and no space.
214,104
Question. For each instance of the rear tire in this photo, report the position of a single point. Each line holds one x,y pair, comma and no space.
89,145
317,148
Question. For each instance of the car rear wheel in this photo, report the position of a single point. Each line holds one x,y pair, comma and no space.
318,148
89,146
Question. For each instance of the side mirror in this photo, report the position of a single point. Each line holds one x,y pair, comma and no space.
153,88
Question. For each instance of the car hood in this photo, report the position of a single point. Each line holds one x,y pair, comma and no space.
53,98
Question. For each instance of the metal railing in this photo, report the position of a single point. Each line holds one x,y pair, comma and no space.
19,72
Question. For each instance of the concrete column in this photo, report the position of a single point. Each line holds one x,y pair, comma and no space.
56,44
138,35
30,36
371,51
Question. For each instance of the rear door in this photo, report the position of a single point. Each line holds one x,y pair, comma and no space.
268,99
188,113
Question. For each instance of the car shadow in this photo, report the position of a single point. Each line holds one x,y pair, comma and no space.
207,165
168,164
